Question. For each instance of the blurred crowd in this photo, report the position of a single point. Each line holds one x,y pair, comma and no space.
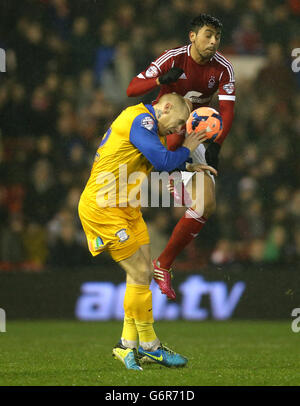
68,66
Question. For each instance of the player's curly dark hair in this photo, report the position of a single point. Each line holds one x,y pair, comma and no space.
205,19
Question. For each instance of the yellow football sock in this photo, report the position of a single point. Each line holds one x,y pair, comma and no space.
129,334
138,305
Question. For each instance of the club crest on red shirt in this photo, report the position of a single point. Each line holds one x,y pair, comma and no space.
211,82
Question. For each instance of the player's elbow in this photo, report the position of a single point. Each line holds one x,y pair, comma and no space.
129,91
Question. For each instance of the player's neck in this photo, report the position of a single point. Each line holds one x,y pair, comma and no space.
197,57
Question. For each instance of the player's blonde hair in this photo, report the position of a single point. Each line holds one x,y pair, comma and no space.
176,99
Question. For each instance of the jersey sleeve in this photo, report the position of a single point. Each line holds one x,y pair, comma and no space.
227,84
145,81
143,135
226,99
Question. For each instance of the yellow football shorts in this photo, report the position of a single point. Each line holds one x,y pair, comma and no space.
120,231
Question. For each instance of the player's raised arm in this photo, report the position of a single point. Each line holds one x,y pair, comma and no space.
160,72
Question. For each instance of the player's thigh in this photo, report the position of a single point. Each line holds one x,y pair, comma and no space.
146,250
110,231
202,190
139,228
209,195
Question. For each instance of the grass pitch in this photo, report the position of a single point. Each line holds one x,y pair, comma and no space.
73,353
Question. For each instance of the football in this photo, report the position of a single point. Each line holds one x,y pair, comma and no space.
205,118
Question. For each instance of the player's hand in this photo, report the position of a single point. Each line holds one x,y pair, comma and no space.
212,154
194,139
171,76
200,168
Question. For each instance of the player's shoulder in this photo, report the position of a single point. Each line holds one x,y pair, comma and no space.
171,54
143,117
224,64
129,114
221,59
135,110
180,49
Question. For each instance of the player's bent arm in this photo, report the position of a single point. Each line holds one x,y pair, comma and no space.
148,143
140,86
158,72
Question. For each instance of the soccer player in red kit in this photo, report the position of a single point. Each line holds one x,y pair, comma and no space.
196,71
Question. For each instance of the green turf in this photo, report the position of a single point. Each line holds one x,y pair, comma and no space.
220,353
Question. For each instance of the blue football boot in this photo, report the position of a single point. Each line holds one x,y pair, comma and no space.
164,356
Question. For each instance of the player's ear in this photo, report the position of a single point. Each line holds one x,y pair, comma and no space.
167,107
192,36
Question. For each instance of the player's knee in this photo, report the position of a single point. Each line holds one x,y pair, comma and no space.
209,208
142,271
142,275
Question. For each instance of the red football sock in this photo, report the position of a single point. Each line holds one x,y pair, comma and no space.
185,230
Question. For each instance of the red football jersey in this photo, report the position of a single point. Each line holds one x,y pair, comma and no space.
198,83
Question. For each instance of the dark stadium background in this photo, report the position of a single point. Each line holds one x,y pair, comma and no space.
68,64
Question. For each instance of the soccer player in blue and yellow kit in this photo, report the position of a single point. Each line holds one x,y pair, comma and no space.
135,143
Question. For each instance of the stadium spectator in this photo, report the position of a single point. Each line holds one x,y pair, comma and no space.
66,251
43,194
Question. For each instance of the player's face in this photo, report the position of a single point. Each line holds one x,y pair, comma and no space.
172,119
205,43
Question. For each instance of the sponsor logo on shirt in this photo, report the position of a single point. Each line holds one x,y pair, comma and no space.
148,123
152,72
229,88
